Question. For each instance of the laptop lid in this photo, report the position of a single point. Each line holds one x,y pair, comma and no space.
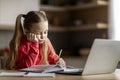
103,57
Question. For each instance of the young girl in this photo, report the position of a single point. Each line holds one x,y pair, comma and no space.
30,45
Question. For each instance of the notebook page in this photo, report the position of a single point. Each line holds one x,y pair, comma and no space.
30,74
12,73
56,68
37,68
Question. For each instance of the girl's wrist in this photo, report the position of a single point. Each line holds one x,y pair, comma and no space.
35,44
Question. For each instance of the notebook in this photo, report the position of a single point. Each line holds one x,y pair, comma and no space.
26,74
43,68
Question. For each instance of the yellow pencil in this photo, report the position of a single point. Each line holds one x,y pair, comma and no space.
60,53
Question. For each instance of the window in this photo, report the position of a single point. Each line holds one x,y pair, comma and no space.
114,19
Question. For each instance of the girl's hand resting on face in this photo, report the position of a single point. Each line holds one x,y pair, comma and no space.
32,37
61,63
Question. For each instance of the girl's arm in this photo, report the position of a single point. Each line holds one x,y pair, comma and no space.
27,55
52,56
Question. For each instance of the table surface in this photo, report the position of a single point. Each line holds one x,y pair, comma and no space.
113,76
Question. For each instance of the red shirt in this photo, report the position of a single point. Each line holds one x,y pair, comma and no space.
29,54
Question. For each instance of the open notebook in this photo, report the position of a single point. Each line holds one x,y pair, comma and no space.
50,69
43,68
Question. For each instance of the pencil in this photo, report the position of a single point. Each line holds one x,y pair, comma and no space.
60,53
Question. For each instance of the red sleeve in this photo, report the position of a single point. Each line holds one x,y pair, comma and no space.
27,54
52,56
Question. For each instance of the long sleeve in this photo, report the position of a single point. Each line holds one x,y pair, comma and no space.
27,54
30,53
52,56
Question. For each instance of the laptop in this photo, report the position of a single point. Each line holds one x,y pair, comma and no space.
103,58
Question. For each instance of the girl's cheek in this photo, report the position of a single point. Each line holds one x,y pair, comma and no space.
46,35
39,36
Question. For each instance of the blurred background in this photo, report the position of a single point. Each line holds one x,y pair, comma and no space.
73,24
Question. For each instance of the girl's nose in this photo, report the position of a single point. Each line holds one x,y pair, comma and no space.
42,36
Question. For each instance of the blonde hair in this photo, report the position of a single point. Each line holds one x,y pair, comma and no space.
29,19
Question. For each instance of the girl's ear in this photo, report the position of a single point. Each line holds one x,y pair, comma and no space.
43,12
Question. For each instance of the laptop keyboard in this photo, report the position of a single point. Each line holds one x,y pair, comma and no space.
71,71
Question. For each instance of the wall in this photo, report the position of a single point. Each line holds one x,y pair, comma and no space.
9,9
5,37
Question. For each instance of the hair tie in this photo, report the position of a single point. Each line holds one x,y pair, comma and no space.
43,12
24,16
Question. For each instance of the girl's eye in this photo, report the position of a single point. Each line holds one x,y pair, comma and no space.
45,32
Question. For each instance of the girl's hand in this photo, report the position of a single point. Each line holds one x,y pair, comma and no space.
32,37
41,40
61,63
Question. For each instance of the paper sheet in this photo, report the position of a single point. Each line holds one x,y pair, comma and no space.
40,74
12,73
37,68
43,68
26,74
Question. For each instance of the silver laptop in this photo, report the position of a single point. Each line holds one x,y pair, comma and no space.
103,58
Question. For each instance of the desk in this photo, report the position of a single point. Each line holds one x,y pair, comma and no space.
112,76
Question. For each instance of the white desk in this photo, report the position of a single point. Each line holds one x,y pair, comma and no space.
112,76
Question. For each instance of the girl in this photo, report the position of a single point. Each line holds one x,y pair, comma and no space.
30,45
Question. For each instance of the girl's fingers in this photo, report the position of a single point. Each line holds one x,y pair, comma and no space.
38,37
32,36
61,62
35,38
29,36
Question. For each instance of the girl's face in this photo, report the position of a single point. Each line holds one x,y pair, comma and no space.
40,30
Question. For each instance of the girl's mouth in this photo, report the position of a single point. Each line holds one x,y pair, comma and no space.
41,41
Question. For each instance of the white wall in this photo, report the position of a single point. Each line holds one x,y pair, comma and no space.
9,9
114,20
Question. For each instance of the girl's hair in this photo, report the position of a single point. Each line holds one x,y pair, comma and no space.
30,18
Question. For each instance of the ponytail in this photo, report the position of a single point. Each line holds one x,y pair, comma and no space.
19,32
